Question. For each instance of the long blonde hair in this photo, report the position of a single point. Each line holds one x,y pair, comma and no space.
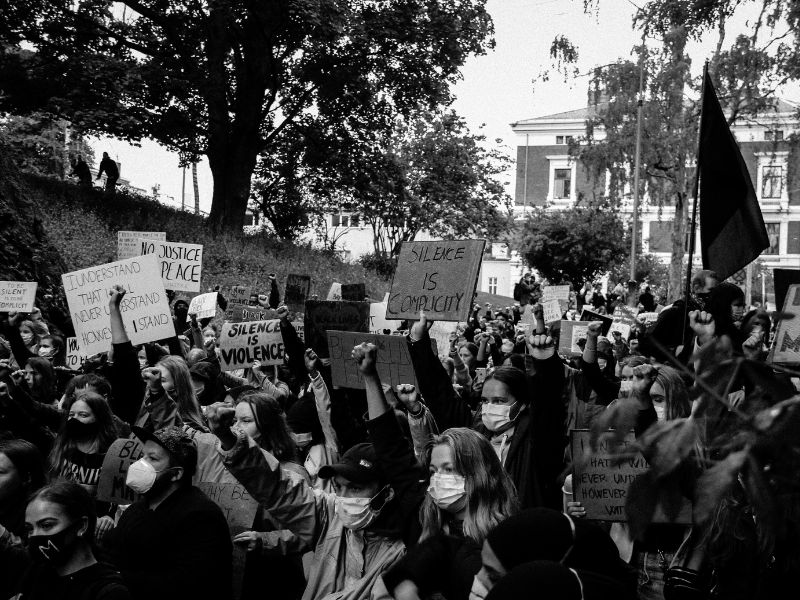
491,495
183,392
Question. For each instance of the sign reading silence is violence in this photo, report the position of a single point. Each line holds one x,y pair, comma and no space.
241,344
436,277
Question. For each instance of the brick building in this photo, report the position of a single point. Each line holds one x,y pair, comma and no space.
547,176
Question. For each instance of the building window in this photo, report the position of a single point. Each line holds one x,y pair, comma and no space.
250,219
772,181
492,285
345,220
773,135
793,243
774,235
563,139
562,184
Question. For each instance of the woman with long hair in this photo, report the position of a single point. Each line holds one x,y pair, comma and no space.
40,379
61,521
171,398
21,473
469,494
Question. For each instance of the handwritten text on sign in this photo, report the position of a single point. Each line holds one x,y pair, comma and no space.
394,360
204,305
129,242
437,277
238,506
120,455
75,358
601,486
241,344
787,338
322,316
145,309
571,333
181,264
17,296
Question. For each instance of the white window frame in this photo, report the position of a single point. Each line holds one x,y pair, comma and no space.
492,283
562,162
773,159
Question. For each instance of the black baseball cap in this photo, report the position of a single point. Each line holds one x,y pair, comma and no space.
359,465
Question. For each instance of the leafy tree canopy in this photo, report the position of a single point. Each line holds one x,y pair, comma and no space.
576,244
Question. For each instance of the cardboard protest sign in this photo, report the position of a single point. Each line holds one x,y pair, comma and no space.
602,486
589,316
120,455
552,310
624,320
240,312
300,328
240,344
786,349
240,510
298,287
649,317
129,242
181,264
440,333
437,277
322,316
378,323
239,294
145,309
204,305
75,358
335,293
394,360
571,332
782,279
354,291
17,296
556,292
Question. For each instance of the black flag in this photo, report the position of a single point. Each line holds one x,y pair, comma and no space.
732,231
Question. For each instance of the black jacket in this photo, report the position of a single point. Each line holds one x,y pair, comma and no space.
182,549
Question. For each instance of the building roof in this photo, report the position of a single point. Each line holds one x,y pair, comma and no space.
780,106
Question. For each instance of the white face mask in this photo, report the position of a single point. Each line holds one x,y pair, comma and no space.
478,591
27,338
602,363
661,411
496,416
356,513
448,491
625,388
141,476
45,352
302,440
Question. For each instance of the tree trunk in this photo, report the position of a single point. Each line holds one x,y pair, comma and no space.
231,193
678,244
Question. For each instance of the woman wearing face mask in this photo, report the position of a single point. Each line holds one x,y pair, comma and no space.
60,521
52,348
81,446
362,529
468,495
524,421
274,555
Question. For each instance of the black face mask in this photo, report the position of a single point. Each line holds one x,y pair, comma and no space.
55,548
79,429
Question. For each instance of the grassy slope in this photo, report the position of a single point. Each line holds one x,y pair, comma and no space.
82,225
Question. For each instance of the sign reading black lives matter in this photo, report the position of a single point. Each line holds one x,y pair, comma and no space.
145,308
436,277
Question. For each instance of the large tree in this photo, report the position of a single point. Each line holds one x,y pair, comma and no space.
226,78
746,72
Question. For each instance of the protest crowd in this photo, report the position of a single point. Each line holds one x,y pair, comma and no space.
347,449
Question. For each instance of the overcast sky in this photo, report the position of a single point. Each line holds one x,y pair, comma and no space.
496,90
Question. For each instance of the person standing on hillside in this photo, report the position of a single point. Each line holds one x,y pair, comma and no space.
109,166
81,170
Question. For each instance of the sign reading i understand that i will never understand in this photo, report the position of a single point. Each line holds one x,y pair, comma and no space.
145,308
436,277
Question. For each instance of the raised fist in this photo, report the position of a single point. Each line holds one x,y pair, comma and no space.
594,329
152,377
116,294
541,346
366,356
420,328
702,323
312,361
220,418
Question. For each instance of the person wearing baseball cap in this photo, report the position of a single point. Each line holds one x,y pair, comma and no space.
173,541
360,530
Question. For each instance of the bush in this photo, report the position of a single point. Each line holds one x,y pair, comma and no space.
383,266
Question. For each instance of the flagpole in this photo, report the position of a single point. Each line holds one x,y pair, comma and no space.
696,193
